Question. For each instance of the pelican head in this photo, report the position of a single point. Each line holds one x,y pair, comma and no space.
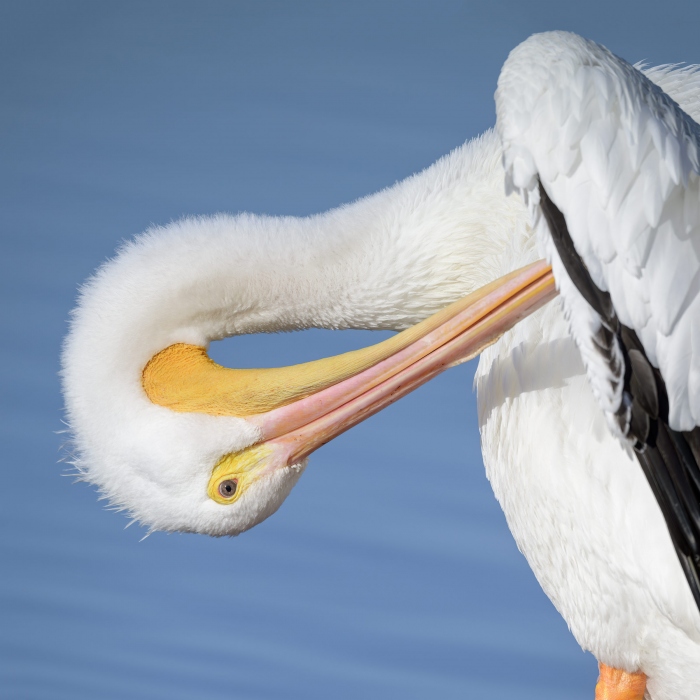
182,443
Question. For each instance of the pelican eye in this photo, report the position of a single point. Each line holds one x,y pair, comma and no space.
227,488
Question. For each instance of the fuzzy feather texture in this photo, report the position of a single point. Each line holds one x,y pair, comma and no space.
386,261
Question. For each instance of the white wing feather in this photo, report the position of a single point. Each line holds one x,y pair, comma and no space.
622,160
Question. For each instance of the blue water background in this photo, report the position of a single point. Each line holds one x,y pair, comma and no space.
389,572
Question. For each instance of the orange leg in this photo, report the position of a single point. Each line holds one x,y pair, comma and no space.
614,684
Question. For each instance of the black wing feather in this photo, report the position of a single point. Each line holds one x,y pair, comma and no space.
668,458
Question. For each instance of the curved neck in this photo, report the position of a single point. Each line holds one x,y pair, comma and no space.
385,261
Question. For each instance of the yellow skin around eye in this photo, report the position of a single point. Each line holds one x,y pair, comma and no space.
245,467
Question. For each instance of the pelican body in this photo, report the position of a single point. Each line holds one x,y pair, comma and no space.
609,166
182,444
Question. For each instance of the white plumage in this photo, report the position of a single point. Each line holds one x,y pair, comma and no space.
622,160
619,158
576,501
379,263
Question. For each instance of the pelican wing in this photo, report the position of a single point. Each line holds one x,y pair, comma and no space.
609,165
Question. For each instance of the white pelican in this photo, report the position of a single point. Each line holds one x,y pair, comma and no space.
183,444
